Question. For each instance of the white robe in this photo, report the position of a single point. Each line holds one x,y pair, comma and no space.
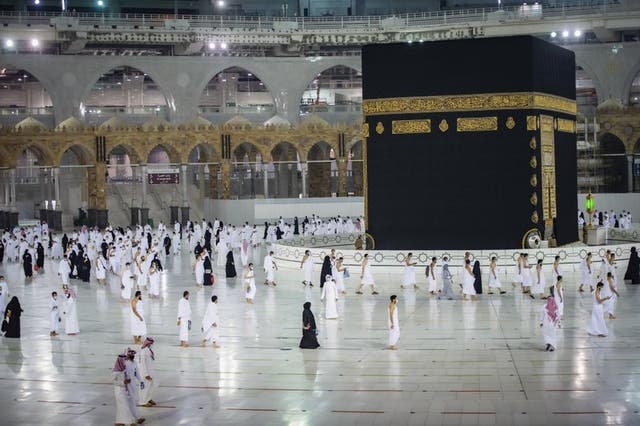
127,283
394,333
548,328
330,297
64,269
409,276
138,328
123,411
209,332
367,277
269,268
307,269
154,283
250,285
184,315
146,367
467,283
597,325
54,315
131,369
71,325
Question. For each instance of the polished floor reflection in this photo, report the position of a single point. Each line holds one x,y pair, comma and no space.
458,362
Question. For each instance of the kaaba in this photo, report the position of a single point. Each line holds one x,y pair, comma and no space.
469,144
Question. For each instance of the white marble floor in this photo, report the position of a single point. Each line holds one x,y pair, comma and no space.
458,362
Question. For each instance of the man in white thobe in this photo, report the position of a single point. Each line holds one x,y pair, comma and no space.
146,367
270,269
210,324
54,314
184,319
64,269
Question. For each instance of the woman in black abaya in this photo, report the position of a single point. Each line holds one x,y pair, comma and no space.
11,323
477,284
633,270
230,268
309,330
326,270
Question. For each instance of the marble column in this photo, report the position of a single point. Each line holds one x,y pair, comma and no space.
185,193
12,190
56,183
265,180
342,177
143,175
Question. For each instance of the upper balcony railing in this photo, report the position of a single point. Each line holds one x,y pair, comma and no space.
287,25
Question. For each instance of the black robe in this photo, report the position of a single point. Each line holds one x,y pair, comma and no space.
477,284
309,338
12,327
167,245
197,250
207,271
65,243
84,269
207,240
1,251
633,270
40,256
266,227
326,270
27,265
295,226
105,249
230,268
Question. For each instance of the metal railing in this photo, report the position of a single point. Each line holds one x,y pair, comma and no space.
234,24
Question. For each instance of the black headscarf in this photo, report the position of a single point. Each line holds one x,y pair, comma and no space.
14,307
307,316
326,270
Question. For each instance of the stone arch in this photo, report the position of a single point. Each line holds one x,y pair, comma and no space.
285,151
25,97
150,73
587,94
588,69
135,155
83,153
41,152
628,83
248,149
333,86
244,71
200,152
173,156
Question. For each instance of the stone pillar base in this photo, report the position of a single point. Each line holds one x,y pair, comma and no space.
144,215
135,211
102,218
12,219
185,216
55,219
175,213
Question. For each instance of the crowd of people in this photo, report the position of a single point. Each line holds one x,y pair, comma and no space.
608,219
136,255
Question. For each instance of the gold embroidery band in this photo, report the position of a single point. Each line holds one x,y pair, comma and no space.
566,126
477,124
404,127
479,102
